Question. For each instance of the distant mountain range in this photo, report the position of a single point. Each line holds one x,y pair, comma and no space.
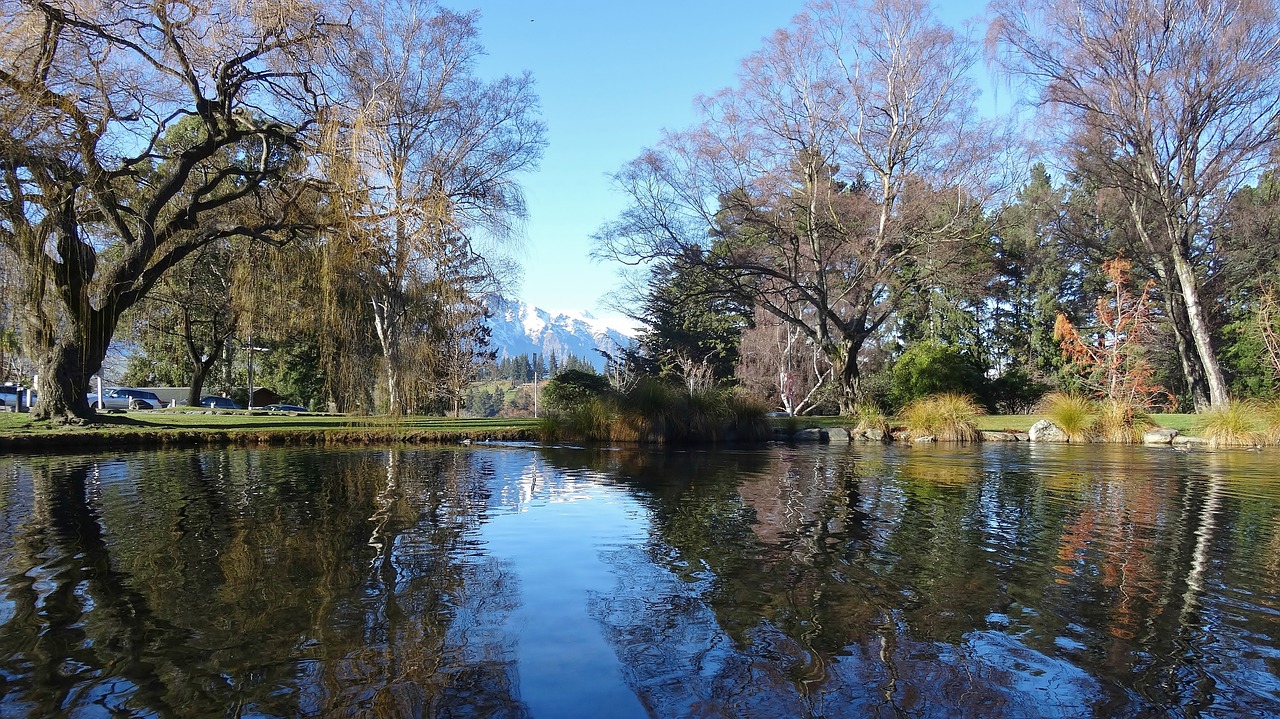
519,328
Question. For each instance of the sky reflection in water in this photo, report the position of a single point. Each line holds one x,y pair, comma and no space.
789,582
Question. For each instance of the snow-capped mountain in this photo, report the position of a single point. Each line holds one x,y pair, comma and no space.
519,328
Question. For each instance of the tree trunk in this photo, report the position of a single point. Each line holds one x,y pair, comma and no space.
199,370
63,383
847,376
386,321
1197,387
1199,327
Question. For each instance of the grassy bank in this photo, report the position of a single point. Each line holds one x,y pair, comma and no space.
165,428
1185,423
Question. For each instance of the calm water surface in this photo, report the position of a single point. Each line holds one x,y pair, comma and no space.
986,581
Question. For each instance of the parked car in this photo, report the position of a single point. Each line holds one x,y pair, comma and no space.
10,395
219,402
125,398
285,408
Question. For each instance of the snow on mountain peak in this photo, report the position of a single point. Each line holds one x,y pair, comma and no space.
518,328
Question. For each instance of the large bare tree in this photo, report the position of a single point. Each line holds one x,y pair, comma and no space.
1185,94
845,168
94,203
429,154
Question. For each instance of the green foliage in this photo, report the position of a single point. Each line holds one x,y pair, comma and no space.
483,401
1245,356
693,322
929,368
1016,391
1072,413
572,388
948,417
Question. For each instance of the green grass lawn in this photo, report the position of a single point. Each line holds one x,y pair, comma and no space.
18,429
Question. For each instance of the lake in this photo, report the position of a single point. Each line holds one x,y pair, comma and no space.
998,580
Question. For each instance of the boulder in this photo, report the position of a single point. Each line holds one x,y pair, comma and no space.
1022,436
924,438
999,437
1159,435
811,435
1046,431
876,435
839,435
1183,440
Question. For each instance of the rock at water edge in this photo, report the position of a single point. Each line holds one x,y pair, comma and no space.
1159,435
1046,431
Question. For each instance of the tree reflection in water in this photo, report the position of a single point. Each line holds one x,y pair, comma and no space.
243,583
948,582
820,581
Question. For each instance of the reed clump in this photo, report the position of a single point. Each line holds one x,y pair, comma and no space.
1119,422
1072,413
947,417
1270,417
870,417
656,412
1239,424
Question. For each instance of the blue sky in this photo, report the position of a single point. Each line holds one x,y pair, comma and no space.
611,76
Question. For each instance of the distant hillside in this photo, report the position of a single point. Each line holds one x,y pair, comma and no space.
519,329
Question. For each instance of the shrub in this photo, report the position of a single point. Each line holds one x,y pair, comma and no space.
1238,424
930,368
1016,392
948,417
1071,412
573,387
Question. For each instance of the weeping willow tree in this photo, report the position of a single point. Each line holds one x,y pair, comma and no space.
95,205
426,154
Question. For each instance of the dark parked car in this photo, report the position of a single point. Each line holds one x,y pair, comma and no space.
285,408
125,398
219,403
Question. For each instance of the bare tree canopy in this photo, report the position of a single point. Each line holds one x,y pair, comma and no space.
101,192
846,167
426,156
1184,97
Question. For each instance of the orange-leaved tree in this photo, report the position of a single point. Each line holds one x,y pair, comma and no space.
1109,356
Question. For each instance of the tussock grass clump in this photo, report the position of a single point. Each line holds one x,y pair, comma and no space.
869,416
1270,413
654,412
1071,412
1238,424
1120,422
948,417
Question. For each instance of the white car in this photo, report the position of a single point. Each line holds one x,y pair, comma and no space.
125,398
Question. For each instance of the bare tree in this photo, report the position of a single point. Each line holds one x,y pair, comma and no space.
844,169
1185,94
428,154
783,366
94,204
